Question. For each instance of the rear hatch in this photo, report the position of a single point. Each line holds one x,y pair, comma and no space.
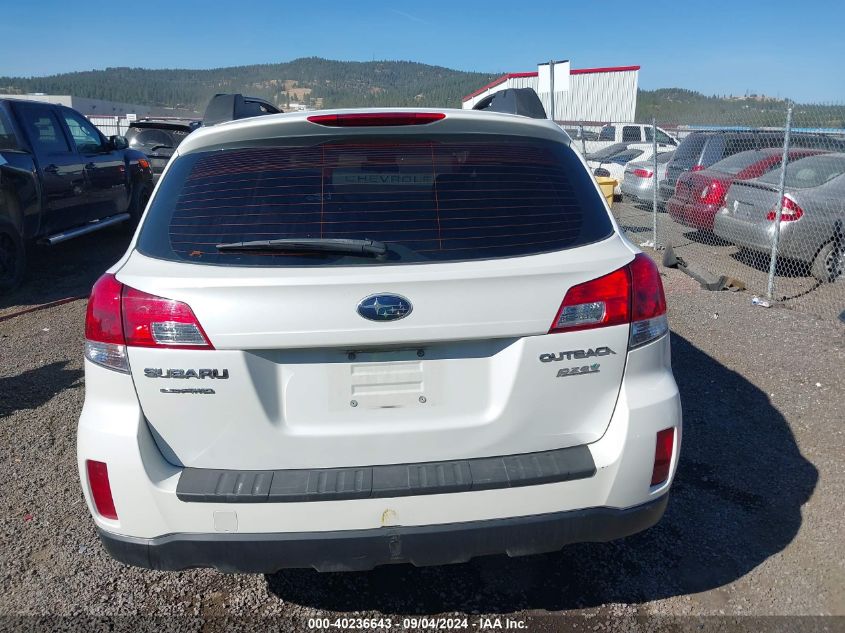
438,349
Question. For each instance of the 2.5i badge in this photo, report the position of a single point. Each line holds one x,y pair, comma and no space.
577,371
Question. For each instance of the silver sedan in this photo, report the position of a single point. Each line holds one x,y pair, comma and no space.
639,180
812,218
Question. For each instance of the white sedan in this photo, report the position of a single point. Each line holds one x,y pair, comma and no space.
611,160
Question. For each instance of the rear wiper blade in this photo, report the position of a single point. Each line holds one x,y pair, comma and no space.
316,244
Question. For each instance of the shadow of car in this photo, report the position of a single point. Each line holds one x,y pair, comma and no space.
737,501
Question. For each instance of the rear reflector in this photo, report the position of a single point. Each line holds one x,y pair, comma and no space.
633,294
663,456
376,119
98,483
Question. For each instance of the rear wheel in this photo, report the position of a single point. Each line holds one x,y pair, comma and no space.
829,264
12,257
140,196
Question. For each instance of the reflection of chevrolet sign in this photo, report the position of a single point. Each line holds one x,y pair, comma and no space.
384,307
341,177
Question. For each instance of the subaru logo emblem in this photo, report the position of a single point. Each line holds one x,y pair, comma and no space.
384,307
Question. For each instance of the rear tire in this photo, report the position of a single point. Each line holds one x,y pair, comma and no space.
827,267
140,196
12,257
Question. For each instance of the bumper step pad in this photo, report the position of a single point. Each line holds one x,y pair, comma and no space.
372,482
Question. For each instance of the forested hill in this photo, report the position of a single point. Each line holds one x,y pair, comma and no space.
671,106
326,83
312,80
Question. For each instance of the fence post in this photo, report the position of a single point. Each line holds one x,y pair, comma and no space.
552,89
654,188
583,142
770,287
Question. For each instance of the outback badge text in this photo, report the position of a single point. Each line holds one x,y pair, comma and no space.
576,354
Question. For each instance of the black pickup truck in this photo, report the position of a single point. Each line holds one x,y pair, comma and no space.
61,178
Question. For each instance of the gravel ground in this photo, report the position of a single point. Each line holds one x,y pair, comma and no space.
795,287
754,525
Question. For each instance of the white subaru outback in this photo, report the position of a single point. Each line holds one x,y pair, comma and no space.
351,338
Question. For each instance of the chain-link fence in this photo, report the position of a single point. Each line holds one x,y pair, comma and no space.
111,125
753,197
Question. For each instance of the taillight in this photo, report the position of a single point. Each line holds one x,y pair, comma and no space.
98,484
698,168
714,193
643,173
663,456
150,321
648,303
789,213
633,294
119,316
104,341
376,119
596,303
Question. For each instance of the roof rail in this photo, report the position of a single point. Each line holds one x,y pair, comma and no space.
228,107
522,101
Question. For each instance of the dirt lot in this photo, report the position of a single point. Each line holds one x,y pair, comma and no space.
754,525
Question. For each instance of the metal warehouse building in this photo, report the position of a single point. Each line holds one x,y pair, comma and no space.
88,107
585,95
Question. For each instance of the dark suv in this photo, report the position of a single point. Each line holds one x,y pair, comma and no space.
699,150
158,139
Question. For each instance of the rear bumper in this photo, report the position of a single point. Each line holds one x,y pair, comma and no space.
156,528
758,236
698,216
358,550
643,192
665,190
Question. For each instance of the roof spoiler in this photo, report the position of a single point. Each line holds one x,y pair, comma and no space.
229,107
522,101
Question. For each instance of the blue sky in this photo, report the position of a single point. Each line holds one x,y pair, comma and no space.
777,47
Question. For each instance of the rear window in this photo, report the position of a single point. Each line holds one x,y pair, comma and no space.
7,134
625,157
607,152
739,162
689,150
145,137
809,172
608,133
464,198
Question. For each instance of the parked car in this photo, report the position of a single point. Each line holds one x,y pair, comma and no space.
699,195
639,180
304,358
699,150
611,162
813,210
158,139
625,133
60,178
